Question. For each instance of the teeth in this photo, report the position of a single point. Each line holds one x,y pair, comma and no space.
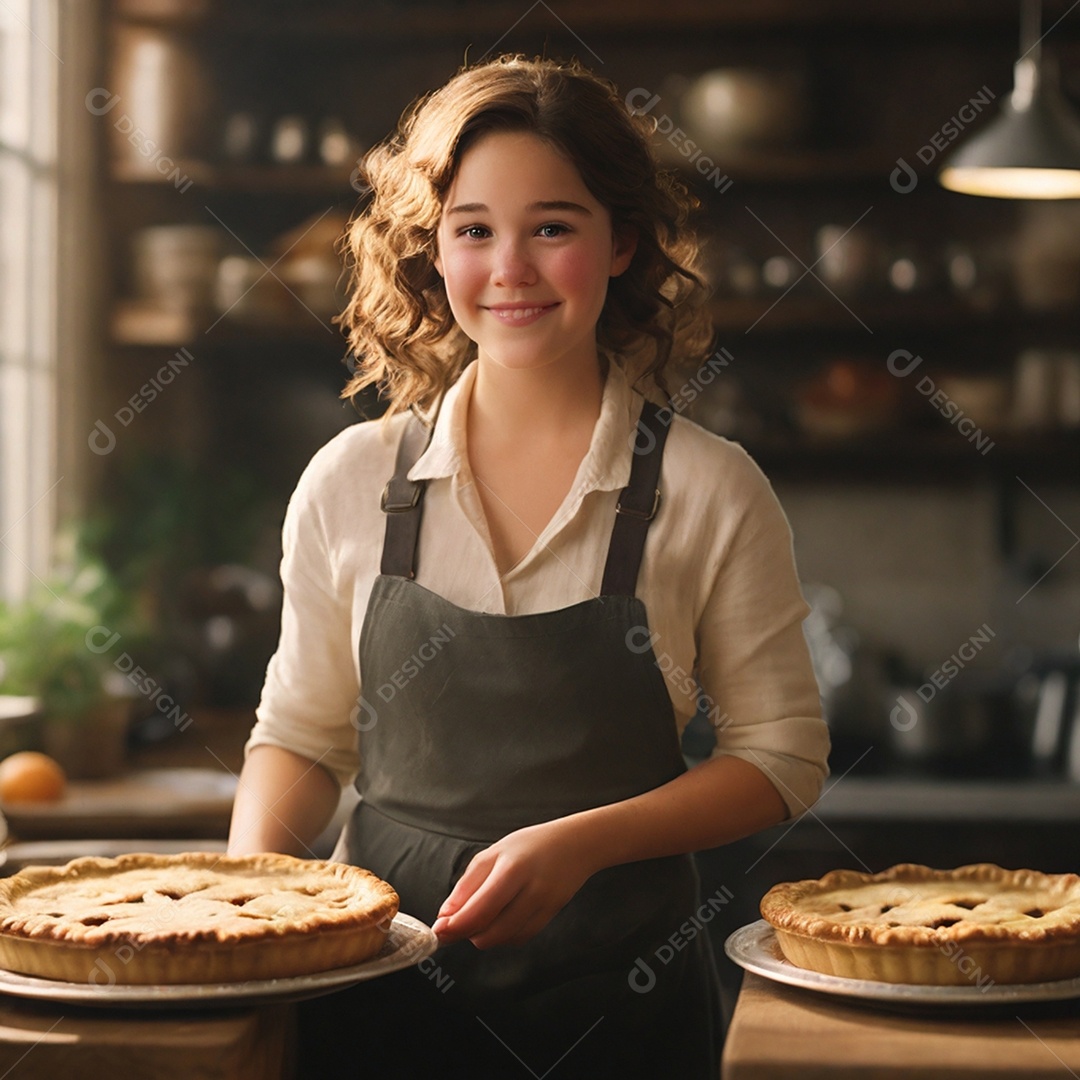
521,313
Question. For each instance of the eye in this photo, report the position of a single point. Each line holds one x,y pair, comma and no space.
559,229
470,231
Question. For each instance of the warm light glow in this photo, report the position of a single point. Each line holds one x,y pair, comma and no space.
1003,183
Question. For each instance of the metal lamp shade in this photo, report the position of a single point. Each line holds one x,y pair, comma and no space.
1031,151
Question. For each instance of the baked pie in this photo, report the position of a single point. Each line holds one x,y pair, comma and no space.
197,917
974,925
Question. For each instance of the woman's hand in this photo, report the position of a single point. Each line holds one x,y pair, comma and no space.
512,890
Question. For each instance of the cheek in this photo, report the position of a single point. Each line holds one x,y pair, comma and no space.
581,272
463,273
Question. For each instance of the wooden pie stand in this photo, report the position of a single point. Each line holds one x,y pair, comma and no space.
781,1032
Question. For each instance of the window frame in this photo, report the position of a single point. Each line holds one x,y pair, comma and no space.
29,301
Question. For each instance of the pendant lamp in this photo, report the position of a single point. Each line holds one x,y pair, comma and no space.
1032,150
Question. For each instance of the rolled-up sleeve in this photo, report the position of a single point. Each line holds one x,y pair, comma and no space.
311,690
753,662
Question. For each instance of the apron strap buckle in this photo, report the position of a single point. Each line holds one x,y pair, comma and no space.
641,515
394,499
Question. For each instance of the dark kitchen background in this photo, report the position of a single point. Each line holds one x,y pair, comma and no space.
903,361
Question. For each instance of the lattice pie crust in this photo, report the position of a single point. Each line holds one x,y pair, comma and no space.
197,917
911,924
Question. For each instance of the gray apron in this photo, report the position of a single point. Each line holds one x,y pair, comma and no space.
475,725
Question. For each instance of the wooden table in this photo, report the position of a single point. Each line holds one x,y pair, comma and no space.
40,1041
784,1033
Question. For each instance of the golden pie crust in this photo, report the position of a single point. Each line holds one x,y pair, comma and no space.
975,925
196,917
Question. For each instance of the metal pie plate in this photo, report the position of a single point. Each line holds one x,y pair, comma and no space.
408,941
755,948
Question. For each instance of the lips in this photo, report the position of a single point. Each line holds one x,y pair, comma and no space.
521,315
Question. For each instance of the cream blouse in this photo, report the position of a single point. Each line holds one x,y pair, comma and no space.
718,582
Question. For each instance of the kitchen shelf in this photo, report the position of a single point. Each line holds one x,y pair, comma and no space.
416,21
974,801
975,335
794,312
895,453
804,166
902,456
253,179
146,325
809,307
135,323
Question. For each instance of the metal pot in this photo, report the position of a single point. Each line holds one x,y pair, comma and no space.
1054,697
968,727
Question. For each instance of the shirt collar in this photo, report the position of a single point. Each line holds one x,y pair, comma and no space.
606,465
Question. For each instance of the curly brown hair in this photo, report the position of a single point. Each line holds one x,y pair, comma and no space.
401,331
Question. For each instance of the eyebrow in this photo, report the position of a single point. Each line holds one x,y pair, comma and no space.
551,204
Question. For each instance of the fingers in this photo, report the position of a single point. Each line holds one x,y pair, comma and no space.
517,923
508,893
498,918
475,875
478,909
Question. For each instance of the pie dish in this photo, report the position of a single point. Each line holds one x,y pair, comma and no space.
913,924
194,917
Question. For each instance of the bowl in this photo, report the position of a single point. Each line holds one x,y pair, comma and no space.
847,398
20,724
737,108
985,398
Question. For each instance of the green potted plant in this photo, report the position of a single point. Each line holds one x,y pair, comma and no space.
115,604
60,645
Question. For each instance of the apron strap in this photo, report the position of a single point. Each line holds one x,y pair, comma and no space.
637,505
403,502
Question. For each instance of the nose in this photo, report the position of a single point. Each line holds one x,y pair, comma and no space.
512,266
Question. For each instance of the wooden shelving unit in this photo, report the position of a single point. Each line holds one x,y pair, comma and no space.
844,165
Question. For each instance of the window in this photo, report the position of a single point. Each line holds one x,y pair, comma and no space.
29,68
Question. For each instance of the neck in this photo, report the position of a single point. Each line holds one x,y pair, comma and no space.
540,402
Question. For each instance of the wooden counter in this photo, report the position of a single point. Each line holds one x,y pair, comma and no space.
42,1042
784,1033
181,787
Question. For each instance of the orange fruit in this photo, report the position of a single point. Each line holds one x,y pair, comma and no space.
28,777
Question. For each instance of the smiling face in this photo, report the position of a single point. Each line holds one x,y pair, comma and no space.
525,252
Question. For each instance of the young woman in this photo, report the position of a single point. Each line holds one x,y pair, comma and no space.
508,681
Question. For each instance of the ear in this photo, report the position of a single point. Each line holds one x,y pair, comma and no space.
437,263
623,245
